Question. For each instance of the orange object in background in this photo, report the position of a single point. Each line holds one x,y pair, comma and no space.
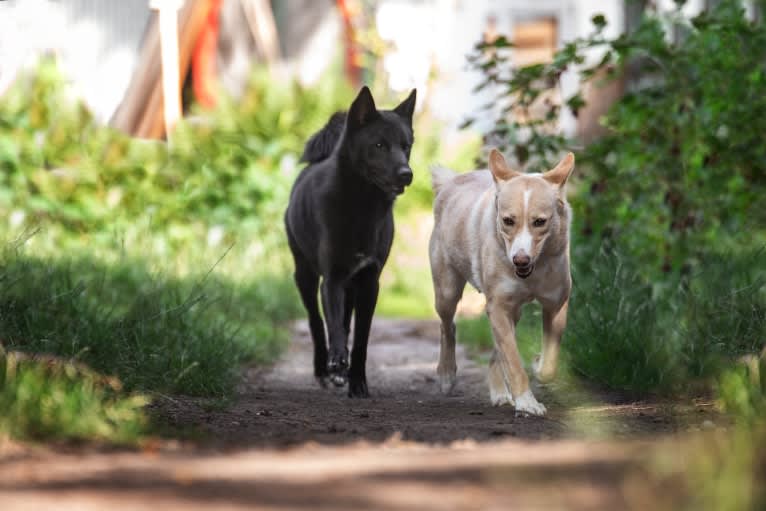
353,59
204,82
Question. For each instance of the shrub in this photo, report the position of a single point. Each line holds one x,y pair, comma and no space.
60,400
619,331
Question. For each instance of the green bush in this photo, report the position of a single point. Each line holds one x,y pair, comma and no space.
627,332
620,331
725,303
231,168
60,400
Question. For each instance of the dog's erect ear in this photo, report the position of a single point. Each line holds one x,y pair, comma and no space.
499,168
407,107
559,175
363,108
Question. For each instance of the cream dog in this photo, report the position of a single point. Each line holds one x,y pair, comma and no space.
507,234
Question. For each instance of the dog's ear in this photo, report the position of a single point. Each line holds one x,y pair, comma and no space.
499,168
362,109
559,175
407,107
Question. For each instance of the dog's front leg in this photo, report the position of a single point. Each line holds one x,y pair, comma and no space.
366,291
509,359
333,301
554,321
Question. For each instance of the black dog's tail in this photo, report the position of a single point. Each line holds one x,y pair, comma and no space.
323,142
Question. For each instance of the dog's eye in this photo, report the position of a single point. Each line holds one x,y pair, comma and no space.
539,222
508,221
378,145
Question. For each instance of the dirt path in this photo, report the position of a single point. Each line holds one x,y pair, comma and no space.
284,443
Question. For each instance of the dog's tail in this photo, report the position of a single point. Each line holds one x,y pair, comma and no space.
323,142
439,177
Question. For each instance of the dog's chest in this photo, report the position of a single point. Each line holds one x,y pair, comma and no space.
543,285
517,289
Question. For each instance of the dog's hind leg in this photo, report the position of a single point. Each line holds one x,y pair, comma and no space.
308,286
448,289
554,321
366,296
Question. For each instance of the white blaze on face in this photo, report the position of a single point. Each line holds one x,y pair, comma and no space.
523,241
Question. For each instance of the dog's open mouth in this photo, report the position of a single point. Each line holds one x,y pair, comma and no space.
396,189
524,272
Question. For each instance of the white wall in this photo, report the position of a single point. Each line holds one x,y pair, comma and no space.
442,32
96,42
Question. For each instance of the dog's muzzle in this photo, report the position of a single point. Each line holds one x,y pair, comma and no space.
524,271
403,179
523,265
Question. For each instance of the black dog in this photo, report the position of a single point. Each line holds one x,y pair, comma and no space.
340,226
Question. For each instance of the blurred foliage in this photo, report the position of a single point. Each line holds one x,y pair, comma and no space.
476,332
679,333
47,398
619,332
231,168
129,270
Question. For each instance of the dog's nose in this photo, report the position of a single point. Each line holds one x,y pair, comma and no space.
521,260
404,175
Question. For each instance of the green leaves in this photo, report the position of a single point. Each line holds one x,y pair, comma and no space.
599,21
60,166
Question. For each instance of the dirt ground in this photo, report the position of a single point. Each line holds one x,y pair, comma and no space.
284,444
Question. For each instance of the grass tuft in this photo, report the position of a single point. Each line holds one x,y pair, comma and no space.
55,399
155,332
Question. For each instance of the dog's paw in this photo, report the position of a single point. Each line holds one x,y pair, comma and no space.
339,380
500,397
338,370
322,380
526,404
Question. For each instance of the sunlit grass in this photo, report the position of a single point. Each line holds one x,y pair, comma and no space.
47,398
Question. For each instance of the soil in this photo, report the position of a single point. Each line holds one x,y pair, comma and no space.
285,443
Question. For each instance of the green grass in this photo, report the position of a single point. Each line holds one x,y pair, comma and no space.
155,332
619,332
406,292
179,324
59,400
666,336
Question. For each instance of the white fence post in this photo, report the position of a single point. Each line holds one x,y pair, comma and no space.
168,22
